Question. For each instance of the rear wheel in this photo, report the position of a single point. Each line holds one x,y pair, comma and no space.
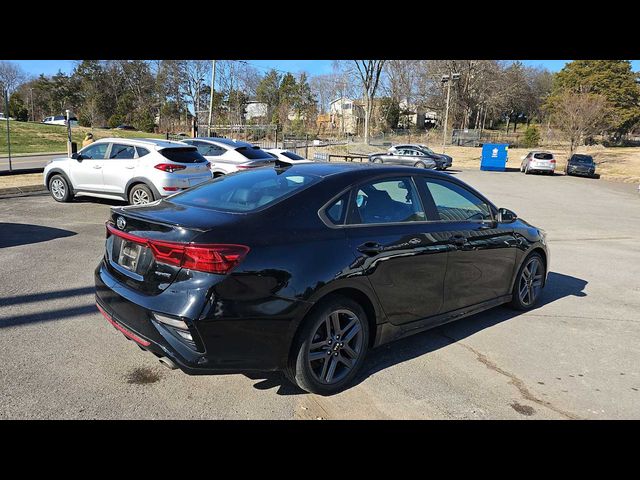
529,283
330,347
60,189
420,165
377,160
140,194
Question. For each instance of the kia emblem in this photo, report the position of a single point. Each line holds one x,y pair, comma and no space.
121,223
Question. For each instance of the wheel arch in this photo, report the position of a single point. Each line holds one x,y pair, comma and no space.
146,182
58,171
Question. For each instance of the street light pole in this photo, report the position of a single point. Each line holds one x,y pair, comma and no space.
213,81
448,79
6,105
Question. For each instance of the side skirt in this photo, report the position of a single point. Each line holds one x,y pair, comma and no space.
388,332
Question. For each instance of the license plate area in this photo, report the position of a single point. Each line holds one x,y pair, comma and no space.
129,255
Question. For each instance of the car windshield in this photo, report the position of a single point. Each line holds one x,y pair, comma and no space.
582,159
245,191
426,149
253,153
543,156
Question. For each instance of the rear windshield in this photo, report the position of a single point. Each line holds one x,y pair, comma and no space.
245,191
543,156
183,155
582,159
253,153
292,156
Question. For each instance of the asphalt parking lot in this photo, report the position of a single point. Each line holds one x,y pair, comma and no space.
576,356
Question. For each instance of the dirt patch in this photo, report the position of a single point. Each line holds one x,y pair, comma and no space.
143,376
525,410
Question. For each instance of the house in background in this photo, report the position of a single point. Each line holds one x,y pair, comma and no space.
415,116
255,110
346,116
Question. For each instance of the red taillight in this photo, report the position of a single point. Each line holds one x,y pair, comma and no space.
169,167
212,258
553,160
171,189
243,167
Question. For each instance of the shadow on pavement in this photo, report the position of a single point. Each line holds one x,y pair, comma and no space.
14,234
558,286
48,314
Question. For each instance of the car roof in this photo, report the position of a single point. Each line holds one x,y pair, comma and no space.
364,169
158,143
225,141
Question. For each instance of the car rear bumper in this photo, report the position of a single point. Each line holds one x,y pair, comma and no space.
541,168
224,344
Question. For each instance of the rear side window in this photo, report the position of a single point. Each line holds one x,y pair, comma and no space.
253,153
245,191
336,212
388,201
292,156
209,150
122,151
543,156
142,151
183,155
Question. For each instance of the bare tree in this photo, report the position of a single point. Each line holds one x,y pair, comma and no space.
368,73
579,115
11,75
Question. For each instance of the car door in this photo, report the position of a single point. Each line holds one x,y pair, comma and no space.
395,249
86,173
482,252
119,167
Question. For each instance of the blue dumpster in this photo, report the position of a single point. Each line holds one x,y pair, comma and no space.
494,157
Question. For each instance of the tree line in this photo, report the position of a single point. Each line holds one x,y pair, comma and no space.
584,99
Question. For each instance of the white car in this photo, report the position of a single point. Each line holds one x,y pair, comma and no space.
228,156
2,117
60,120
538,161
138,171
287,156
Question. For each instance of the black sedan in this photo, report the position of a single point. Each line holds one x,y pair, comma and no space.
581,165
305,268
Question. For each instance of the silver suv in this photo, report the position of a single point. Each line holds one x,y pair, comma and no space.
138,171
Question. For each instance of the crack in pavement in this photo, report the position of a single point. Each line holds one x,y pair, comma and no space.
513,380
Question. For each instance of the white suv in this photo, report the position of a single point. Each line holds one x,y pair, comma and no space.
138,171
228,156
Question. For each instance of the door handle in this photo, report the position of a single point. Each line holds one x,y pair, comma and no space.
130,167
97,166
458,240
370,248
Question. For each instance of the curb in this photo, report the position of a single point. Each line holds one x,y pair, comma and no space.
24,189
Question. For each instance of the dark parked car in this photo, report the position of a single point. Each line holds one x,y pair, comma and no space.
305,268
581,165
125,127
413,155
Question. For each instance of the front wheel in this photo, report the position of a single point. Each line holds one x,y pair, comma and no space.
529,283
60,189
377,160
330,347
420,165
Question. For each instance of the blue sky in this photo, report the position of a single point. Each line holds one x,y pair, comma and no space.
313,67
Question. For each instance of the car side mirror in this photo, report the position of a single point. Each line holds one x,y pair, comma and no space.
506,216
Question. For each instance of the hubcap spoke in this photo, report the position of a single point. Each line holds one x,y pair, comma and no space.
349,336
349,351
335,322
332,368
318,356
346,361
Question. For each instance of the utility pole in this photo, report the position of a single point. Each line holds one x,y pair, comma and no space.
69,148
33,111
6,106
448,79
213,81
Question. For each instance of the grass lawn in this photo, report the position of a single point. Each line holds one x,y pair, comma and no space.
30,137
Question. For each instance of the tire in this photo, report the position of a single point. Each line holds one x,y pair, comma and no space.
377,160
140,194
420,165
526,170
60,189
520,302
318,336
